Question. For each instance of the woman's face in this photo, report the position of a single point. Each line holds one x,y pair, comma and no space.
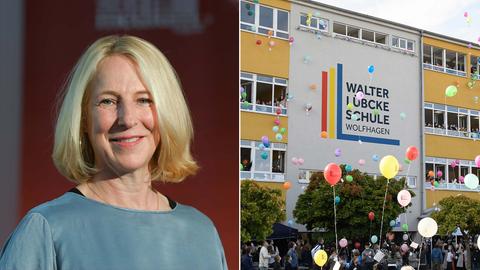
121,118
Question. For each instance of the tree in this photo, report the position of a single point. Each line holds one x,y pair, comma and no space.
261,207
458,210
314,208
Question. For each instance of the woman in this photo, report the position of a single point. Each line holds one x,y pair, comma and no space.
123,123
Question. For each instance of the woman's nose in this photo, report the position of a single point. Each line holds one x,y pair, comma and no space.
127,115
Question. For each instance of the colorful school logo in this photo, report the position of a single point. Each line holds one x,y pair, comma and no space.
362,112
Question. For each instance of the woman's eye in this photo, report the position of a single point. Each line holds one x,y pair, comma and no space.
145,101
107,102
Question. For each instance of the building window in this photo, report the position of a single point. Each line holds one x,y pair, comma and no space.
368,35
474,66
452,177
262,163
339,28
246,158
381,38
316,23
353,31
403,43
411,181
439,119
263,19
427,54
428,117
438,57
278,161
263,93
460,122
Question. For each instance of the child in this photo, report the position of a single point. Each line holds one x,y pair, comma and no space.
288,260
276,265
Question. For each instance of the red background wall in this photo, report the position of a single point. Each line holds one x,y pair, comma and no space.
56,34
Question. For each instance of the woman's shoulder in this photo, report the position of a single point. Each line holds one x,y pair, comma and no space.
62,204
192,213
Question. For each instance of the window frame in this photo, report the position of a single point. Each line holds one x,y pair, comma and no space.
405,40
468,113
260,108
443,68
268,176
317,28
256,27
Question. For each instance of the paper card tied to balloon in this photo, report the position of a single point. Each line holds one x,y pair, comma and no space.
414,245
378,256
336,266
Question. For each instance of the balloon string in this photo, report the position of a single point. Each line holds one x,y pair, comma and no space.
335,219
408,171
420,255
383,211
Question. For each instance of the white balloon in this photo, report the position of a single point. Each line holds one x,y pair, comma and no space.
471,181
478,241
427,227
404,197
405,237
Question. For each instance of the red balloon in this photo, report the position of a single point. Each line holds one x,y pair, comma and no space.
259,42
357,245
371,216
332,173
412,153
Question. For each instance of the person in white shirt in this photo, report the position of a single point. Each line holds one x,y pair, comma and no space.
263,257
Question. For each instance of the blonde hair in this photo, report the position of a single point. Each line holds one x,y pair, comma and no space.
72,152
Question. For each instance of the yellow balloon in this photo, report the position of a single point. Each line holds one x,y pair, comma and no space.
389,166
320,257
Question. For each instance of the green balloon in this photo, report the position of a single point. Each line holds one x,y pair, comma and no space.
241,167
350,106
407,161
436,184
244,94
349,178
283,130
451,91
405,227
376,111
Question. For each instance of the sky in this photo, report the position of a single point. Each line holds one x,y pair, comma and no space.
440,16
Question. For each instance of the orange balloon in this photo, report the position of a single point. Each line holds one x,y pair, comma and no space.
431,174
270,32
324,134
313,86
287,185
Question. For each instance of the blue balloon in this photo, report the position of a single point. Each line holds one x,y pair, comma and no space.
337,200
348,168
371,69
375,157
275,129
264,155
392,223
290,222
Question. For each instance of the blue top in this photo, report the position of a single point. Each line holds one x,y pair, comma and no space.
75,232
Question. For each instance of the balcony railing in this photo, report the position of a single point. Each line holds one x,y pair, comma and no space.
263,176
445,70
451,186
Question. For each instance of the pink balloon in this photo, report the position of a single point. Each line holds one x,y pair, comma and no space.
359,95
404,247
465,14
439,173
477,161
277,122
300,161
343,242
295,161
461,179
361,162
453,164
404,197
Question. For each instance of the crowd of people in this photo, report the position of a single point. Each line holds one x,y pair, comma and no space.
439,254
